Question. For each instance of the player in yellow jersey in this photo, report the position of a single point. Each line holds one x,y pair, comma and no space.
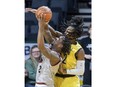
73,65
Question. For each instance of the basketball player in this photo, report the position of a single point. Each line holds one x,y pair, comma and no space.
73,64
51,57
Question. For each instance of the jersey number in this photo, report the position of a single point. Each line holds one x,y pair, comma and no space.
40,67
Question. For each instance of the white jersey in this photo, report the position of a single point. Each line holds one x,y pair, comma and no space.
45,71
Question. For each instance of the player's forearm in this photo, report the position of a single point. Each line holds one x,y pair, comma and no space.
40,39
47,34
75,71
54,32
79,70
41,43
50,34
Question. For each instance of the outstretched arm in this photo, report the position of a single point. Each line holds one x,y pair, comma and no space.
30,10
48,30
45,51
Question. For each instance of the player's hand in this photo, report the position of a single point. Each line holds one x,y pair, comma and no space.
41,17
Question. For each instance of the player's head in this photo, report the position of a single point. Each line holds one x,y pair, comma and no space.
62,45
35,52
75,28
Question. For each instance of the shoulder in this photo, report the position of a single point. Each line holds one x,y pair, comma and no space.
77,46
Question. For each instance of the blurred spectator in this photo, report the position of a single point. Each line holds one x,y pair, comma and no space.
86,44
31,66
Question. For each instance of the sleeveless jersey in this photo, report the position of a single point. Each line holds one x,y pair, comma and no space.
45,71
70,62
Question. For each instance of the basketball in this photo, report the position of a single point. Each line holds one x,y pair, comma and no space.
46,11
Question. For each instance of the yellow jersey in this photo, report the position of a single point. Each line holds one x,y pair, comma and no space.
70,61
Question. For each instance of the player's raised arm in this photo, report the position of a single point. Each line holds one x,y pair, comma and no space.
47,34
54,32
45,51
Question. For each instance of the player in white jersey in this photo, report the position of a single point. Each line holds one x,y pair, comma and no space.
45,73
51,57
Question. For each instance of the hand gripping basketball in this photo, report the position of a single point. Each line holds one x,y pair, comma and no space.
45,11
